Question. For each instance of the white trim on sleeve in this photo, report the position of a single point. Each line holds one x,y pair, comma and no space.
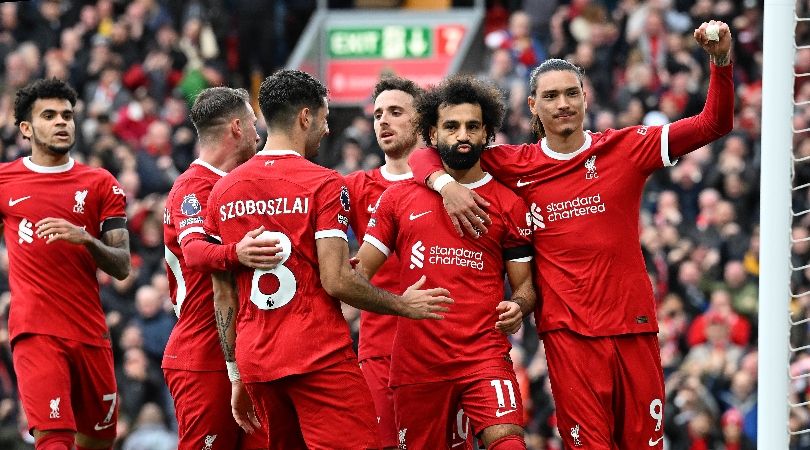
377,244
330,234
665,147
522,260
188,231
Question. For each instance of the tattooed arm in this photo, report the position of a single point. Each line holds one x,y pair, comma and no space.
226,305
111,253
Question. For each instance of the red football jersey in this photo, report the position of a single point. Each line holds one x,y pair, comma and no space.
585,207
194,342
365,189
54,286
410,220
287,323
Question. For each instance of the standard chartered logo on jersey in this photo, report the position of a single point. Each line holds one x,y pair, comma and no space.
578,207
448,256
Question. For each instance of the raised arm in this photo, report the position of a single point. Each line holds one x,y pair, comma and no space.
111,252
463,205
341,281
717,117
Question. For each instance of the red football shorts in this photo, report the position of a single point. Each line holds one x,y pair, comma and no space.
609,391
375,371
66,385
329,409
432,415
202,402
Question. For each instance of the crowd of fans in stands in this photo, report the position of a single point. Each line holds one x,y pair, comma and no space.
138,64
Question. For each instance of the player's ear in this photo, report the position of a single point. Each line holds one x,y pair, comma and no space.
304,118
531,101
236,127
26,129
433,133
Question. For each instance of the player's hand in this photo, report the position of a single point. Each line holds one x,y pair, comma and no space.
242,408
427,303
61,230
258,252
719,49
463,206
510,317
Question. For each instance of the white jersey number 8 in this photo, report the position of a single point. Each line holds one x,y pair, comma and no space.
287,283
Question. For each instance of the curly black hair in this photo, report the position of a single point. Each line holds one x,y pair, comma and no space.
283,94
549,65
395,83
216,106
45,88
457,90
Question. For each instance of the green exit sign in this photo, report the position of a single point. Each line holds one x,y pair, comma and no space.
388,42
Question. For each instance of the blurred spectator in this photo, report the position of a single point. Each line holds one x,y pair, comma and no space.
154,322
150,432
526,50
720,308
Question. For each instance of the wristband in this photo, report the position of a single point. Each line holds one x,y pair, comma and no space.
233,371
442,181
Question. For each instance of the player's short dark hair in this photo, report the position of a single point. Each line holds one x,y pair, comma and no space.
395,83
457,90
550,65
216,106
283,94
45,88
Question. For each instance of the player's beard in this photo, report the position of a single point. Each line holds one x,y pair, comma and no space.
402,147
460,161
58,149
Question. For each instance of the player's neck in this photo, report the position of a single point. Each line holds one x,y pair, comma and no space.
397,166
219,158
468,176
566,143
47,158
282,142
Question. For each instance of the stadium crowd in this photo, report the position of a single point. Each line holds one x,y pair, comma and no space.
137,66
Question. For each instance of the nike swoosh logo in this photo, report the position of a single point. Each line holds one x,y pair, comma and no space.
103,427
653,443
12,202
499,413
521,183
416,216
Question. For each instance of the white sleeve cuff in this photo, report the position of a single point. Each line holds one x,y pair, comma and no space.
377,244
188,231
522,260
330,234
665,147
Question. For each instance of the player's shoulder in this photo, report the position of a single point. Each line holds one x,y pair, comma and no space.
359,178
497,192
530,147
633,132
92,172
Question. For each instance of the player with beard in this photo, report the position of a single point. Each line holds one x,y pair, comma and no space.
286,343
462,362
598,320
63,221
395,128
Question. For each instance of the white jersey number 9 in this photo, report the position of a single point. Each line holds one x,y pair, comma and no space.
287,283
